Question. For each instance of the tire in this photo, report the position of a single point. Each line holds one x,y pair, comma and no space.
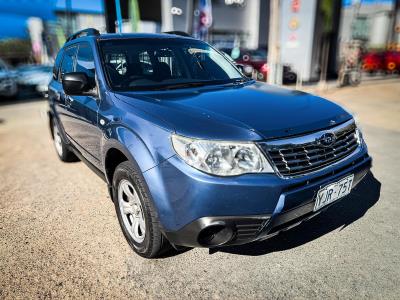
136,214
62,150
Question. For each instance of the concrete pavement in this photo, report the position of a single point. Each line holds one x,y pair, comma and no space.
60,237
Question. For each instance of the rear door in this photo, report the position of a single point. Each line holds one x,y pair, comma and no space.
83,110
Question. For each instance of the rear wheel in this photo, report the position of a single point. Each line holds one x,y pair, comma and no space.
62,150
136,214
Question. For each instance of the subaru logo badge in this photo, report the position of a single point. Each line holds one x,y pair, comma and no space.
327,139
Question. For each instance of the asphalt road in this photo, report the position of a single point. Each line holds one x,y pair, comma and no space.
60,236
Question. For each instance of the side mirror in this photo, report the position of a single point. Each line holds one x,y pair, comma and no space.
78,83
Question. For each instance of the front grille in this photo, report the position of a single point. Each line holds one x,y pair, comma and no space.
301,155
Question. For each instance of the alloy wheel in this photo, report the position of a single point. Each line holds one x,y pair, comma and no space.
57,140
131,211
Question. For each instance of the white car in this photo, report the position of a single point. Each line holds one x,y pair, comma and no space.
35,77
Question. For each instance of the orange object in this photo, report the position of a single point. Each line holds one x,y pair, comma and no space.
391,66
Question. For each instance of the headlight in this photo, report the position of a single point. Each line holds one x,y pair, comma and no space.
358,136
358,133
220,157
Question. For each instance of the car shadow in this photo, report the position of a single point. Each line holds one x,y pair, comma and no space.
339,215
24,96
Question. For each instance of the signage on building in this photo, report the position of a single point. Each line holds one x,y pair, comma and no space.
297,34
235,2
295,6
360,28
294,23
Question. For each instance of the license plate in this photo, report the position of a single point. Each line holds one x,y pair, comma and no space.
333,192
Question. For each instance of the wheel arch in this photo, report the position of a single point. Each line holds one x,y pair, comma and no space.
117,153
50,116
114,154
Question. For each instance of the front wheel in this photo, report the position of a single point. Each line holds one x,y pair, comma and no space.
136,214
62,150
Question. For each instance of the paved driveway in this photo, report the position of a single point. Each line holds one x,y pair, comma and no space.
60,237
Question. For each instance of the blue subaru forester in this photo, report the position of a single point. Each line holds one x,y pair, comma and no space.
194,153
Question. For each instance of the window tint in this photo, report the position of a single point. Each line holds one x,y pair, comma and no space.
68,62
167,57
57,64
85,60
157,63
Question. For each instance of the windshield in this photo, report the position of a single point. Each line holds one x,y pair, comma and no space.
146,64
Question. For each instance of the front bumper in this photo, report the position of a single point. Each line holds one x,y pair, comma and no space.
199,210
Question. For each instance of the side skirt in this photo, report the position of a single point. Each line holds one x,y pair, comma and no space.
88,163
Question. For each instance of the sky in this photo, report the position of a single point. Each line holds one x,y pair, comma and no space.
14,14
93,6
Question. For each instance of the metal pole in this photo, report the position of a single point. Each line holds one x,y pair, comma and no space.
68,16
274,43
119,15
189,16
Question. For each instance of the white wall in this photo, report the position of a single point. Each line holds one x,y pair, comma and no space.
297,44
91,20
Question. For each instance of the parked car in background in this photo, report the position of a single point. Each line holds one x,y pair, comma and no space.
258,60
246,69
381,62
372,62
391,62
8,84
35,78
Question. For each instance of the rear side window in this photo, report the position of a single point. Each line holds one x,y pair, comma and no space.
57,64
68,62
85,60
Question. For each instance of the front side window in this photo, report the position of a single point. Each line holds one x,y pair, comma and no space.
140,64
85,60
57,64
68,62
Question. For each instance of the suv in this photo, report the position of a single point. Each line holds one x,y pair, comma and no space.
195,154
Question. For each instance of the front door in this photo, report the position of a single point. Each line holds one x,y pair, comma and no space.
61,100
82,111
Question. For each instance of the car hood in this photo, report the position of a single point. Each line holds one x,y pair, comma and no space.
244,112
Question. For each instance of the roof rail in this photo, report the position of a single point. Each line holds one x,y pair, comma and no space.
84,32
181,33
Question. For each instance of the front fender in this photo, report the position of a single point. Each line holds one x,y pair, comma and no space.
147,150
144,158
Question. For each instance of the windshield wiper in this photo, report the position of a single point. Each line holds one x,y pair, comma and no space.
240,80
197,84
181,85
